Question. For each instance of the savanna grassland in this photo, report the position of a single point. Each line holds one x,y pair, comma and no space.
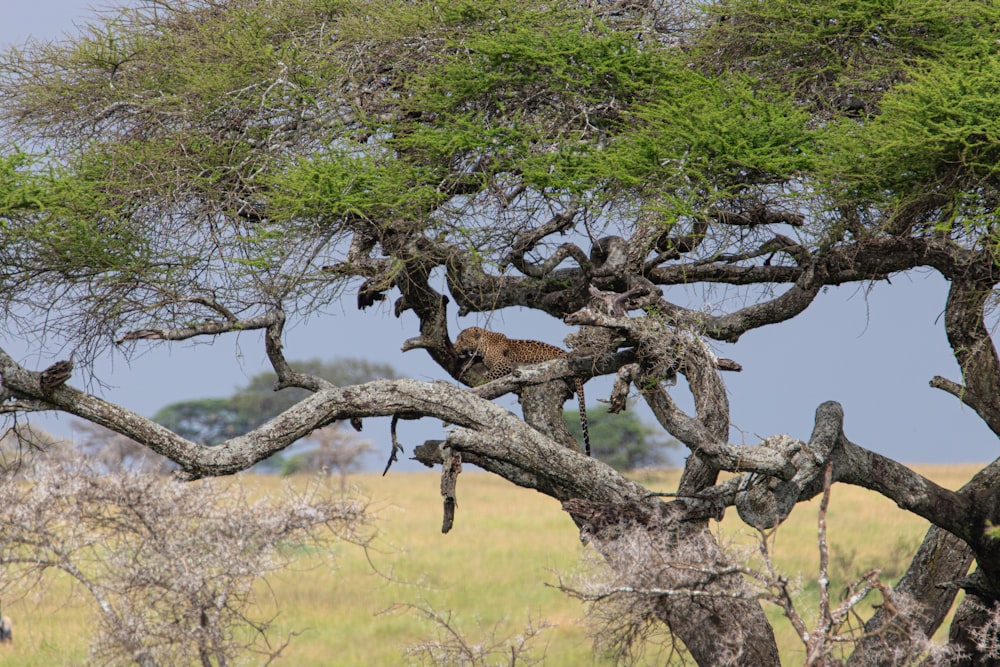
350,608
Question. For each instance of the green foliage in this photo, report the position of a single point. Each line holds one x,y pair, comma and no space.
340,184
820,50
699,132
621,440
18,192
935,144
213,420
502,90
57,217
217,149
919,152
573,106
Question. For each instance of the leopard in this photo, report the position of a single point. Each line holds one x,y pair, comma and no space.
501,355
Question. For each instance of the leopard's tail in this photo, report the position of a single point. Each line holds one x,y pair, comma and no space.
583,415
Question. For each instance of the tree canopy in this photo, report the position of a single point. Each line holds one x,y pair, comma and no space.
198,169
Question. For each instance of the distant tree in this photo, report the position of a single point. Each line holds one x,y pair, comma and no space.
208,421
171,566
213,420
335,449
621,439
111,452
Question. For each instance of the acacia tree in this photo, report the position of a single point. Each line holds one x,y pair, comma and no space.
216,166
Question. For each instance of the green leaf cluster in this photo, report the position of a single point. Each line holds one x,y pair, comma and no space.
159,126
546,96
901,97
54,219
711,132
339,184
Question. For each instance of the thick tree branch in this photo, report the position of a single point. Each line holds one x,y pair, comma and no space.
663,350
715,272
556,369
504,437
560,291
909,490
730,327
757,215
720,454
852,464
973,348
867,259
544,267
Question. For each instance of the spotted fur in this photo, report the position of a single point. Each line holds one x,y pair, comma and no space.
501,355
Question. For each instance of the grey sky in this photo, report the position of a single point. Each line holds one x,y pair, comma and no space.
873,350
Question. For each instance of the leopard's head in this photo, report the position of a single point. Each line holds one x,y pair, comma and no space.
469,342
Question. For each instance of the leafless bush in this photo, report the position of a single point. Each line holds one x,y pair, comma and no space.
452,647
171,566
337,449
103,449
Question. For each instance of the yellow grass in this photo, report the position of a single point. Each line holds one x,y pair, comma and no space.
491,569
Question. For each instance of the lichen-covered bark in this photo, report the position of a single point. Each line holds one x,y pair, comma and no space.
973,346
